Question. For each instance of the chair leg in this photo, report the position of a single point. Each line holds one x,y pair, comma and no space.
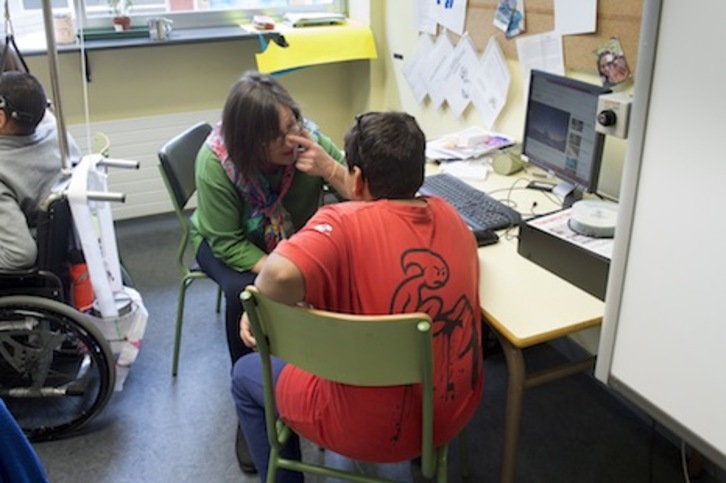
219,298
272,465
464,454
442,467
179,320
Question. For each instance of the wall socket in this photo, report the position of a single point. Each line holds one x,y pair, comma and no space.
613,114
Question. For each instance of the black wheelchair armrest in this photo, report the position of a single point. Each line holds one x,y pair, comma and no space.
32,282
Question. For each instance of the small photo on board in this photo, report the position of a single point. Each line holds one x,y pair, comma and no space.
611,63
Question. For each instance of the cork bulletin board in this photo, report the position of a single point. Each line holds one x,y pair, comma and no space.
615,18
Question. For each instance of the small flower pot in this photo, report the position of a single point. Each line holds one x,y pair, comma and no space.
121,23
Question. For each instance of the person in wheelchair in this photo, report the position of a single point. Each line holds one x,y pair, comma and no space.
57,369
30,165
388,252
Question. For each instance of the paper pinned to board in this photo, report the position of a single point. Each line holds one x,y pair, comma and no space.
575,16
317,45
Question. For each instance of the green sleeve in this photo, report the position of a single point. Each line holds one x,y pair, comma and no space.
221,215
329,146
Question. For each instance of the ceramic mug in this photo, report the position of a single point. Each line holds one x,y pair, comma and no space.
159,28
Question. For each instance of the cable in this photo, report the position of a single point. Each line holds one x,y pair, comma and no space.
684,462
10,42
531,210
651,450
553,199
511,187
84,69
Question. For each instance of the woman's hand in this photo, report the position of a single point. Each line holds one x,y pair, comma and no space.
315,161
245,332
312,159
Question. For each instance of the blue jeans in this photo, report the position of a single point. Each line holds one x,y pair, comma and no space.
250,404
232,283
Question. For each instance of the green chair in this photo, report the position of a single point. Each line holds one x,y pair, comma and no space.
176,163
387,350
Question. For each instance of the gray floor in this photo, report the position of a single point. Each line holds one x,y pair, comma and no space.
162,429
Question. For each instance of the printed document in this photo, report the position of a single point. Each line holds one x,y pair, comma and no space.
424,16
575,16
436,62
491,84
541,52
414,69
457,76
451,14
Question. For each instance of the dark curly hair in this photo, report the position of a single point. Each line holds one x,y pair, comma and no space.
390,150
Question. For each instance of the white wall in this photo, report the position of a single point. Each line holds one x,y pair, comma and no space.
664,332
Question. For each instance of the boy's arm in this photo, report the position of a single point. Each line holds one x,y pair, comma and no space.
281,280
18,248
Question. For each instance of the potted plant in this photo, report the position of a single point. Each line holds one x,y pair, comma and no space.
120,8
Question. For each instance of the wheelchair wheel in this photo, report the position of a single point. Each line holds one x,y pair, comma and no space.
56,368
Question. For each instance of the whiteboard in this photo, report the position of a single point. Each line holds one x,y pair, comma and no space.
663,343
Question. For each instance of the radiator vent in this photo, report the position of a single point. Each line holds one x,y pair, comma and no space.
139,139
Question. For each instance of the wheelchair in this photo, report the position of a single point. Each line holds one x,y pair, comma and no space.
57,370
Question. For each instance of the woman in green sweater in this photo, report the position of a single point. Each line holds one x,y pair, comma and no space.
259,178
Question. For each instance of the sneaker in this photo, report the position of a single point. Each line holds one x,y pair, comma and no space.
243,454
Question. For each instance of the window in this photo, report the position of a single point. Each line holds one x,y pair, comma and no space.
27,19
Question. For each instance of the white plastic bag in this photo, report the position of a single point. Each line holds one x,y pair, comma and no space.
125,331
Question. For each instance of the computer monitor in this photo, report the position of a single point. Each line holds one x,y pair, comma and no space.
559,132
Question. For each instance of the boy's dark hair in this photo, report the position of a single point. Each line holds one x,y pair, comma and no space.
390,150
23,99
251,120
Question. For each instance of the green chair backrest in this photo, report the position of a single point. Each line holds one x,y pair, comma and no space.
381,350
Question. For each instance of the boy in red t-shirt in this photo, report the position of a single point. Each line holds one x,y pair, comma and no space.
389,252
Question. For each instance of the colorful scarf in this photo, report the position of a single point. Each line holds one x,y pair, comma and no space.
266,210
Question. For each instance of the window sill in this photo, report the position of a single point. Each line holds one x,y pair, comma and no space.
308,46
176,37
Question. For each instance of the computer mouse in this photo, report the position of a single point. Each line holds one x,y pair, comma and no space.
485,237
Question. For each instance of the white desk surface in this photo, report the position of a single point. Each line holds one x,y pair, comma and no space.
523,301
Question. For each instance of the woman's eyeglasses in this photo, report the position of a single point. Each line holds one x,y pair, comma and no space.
295,130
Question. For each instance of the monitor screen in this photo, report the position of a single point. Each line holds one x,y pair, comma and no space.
559,130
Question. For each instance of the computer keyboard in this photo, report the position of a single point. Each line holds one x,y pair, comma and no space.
479,210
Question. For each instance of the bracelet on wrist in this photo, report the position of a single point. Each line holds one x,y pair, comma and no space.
332,173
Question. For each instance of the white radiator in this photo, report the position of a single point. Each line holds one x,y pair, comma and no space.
139,139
